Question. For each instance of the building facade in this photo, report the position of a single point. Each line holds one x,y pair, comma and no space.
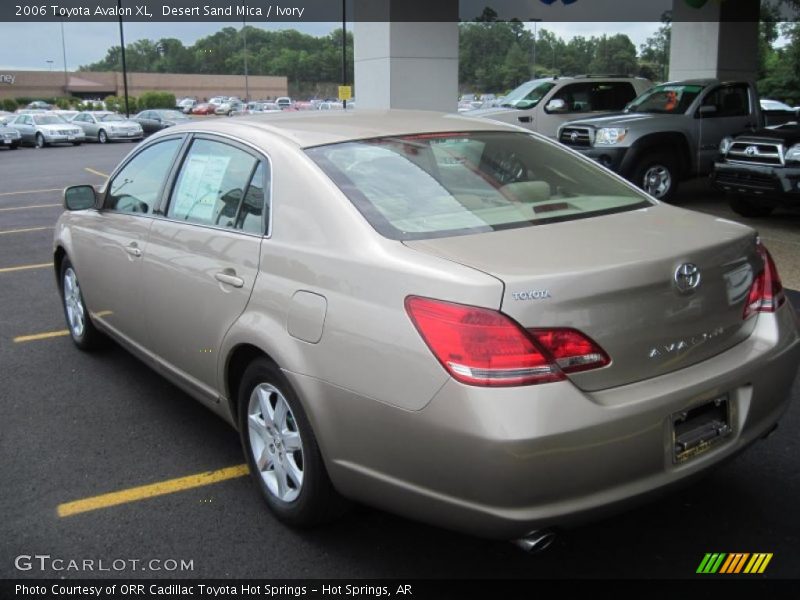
96,85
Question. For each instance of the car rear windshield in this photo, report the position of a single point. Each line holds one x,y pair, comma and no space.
171,114
446,184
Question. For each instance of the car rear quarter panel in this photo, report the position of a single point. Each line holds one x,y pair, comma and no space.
320,244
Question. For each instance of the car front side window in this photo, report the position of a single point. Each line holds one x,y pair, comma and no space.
137,187
212,187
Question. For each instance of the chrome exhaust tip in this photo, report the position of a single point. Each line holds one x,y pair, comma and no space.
536,541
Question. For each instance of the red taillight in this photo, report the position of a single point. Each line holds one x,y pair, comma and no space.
766,293
479,346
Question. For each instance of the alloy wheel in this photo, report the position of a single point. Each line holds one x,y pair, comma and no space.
657,181
275,442
76,313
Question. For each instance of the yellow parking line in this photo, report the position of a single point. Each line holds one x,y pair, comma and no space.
30,192
47,335
40,336
24,230
150,491
93,172
25,267
31,206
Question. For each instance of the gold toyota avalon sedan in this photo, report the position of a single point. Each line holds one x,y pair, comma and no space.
448,318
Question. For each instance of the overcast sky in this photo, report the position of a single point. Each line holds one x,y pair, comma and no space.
28,46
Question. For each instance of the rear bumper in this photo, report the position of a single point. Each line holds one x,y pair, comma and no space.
777,183
500,463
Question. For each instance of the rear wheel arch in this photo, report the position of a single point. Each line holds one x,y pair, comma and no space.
658,143
239,358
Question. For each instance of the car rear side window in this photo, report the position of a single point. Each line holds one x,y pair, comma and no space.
218,186
137,187
255,206
443,184
596,96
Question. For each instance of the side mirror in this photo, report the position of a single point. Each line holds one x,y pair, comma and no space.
708,110
557,105
80,197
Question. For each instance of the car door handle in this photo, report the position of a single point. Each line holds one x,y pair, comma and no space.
228,277
133,250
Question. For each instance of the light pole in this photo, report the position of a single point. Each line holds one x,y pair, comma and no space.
49,65
124,64
64,56
552,45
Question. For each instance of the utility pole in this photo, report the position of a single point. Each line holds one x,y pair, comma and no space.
246,73
535,24
124,64
344,49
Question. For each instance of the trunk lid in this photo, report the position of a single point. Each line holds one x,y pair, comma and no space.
614,278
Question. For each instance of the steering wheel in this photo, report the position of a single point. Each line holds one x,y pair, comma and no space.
507,167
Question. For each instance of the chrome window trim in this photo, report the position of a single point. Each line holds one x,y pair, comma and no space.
204,226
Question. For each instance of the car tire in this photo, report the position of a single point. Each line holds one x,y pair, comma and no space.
657,174
281,449
76,143
14,146
102,136
748,208
40,141
79,323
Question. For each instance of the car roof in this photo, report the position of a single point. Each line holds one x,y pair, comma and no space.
317,128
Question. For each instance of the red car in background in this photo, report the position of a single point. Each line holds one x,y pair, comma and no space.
204,108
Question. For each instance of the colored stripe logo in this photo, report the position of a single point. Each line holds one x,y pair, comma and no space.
734,563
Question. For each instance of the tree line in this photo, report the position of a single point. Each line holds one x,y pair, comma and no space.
301,57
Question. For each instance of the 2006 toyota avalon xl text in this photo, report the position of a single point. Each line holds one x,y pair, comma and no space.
444,317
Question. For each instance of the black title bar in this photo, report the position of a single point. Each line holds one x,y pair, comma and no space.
299,11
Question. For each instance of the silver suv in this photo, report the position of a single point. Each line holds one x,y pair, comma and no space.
543,105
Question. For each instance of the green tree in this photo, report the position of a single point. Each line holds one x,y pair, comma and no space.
654,53
614,55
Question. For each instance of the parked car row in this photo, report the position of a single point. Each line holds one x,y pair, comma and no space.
40,129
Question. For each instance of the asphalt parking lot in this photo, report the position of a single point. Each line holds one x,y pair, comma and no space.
75,426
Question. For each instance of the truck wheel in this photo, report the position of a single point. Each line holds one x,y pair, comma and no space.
748,208
657,174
